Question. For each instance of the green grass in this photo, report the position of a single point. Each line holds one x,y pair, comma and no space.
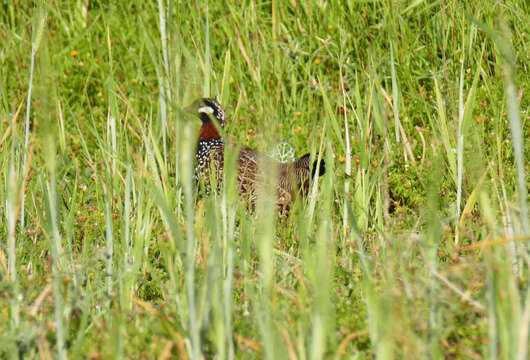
415,244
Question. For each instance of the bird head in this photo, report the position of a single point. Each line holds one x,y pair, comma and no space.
207,109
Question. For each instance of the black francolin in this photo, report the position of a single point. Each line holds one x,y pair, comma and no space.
293,178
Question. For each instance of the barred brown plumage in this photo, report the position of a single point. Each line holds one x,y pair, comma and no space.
293,178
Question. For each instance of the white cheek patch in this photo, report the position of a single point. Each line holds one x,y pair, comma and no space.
206,110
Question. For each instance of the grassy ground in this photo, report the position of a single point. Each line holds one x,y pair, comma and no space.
414,245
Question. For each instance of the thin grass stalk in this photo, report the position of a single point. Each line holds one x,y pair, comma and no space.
57,265
107,190
211,311
493,343
112,112
347,162
431,244
163,35
83,142
46,117
37,32
113,138
444,131
395,93
163,81
264,234
227,292
322,264
127,246
62,134
176,89
189,275
109,237
207,56
516,131
225,88
459,150
509,225
494,327
522,343
230,201
68,229
111,181
11,209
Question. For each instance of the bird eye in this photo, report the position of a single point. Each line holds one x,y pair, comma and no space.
206,110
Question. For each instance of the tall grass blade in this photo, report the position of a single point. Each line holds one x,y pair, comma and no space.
12,191
38,28
395,92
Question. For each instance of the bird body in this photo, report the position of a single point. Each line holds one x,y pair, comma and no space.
293,178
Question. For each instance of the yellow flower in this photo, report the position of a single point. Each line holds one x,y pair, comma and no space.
330,27
74,53
341,158
317,61
298,113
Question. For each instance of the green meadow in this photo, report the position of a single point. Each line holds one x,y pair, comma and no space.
415,244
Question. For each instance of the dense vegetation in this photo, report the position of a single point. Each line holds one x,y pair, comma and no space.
415,243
